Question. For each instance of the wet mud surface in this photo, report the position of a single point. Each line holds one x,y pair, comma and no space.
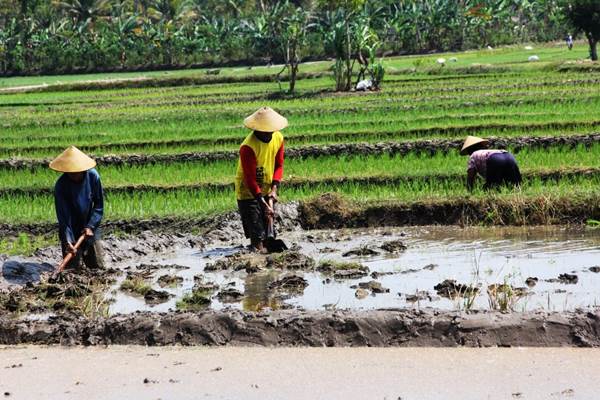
373,286
311,328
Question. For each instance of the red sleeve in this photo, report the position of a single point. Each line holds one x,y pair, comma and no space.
248,160
278,173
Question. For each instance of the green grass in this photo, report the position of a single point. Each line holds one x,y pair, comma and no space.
136,285
356,166
185,203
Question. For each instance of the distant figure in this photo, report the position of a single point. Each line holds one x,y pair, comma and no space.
259,172
497,167
569,40
79,202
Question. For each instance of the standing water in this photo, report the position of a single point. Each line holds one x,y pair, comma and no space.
550,268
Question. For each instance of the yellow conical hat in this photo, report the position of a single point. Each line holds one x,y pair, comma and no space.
472,141
265,119
72,160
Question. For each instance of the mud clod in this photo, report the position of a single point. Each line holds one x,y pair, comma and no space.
154,267
419,295
197,300
531,281
327,250
290,283
153,296
451,289
394,246
343,270
567,279
230,295
360,252
291,260
377,275
251,263
373,286
169,281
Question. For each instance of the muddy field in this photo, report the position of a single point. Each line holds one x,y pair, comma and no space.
428,285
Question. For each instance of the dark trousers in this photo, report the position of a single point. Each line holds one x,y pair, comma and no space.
502,169
253,220
90,253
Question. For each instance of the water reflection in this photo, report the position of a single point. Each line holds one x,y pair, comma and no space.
258,296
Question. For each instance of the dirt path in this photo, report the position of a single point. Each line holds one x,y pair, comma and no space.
307,373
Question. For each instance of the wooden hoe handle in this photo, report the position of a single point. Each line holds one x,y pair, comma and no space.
69,256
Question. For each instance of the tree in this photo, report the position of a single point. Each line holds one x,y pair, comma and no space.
585,17
293,40
84,10
338,29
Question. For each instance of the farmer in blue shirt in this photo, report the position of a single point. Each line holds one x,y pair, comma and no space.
79,205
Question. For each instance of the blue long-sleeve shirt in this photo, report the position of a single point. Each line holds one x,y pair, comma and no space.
78,205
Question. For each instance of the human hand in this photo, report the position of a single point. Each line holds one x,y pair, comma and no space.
71,249
273,195
267,207
88,232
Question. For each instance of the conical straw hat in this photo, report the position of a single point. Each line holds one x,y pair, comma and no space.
265,119
72,160
472,141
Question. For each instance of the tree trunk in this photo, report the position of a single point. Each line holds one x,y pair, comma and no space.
348,57
293,74
593,48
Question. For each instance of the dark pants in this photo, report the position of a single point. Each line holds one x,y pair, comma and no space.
90,253
253,220
502,169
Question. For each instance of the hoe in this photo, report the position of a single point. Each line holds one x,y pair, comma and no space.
273,245
69,256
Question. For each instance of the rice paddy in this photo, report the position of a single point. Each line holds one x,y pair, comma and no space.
190,119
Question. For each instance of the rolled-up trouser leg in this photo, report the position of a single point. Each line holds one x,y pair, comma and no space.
501,169
93,255
253,220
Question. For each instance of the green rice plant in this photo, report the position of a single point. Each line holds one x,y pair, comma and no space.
136,285
195,300
25,244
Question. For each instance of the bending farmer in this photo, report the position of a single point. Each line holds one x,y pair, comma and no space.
259,172
497,167
79,207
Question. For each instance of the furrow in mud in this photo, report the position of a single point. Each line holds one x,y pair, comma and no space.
330,211
302,138
544,176
297,328
342,149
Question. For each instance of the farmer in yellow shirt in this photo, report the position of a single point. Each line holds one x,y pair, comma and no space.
259,173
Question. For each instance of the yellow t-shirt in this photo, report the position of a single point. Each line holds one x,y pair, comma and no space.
265,165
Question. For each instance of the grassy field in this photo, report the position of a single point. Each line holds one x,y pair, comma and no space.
420,101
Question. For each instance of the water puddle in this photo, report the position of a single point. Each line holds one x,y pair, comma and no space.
476,257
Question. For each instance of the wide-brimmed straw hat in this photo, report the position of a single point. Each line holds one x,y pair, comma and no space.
265,119
72,160
470,142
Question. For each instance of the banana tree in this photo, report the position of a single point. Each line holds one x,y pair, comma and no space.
293,41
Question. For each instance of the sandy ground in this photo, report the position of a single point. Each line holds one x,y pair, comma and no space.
301,373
